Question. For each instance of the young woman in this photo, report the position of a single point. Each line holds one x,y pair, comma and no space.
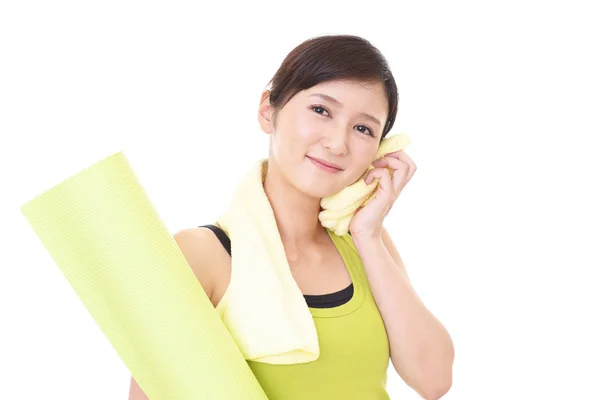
331,103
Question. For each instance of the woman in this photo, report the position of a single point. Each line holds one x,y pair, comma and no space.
331,103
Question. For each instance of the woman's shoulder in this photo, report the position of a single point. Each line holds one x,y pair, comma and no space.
208,259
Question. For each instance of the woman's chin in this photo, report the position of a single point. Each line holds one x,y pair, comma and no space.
320,191
320,186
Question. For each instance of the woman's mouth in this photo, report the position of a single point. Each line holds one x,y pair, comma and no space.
323,166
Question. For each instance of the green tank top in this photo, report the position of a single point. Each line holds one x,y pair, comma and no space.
354,349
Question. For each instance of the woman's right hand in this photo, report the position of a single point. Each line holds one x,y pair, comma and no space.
136,392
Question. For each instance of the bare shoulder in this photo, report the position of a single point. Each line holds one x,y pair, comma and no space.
207,258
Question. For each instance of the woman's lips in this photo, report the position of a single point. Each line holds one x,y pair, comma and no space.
323,166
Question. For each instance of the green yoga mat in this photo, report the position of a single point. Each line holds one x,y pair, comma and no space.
104,234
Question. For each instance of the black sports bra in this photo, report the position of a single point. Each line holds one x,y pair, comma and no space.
328,300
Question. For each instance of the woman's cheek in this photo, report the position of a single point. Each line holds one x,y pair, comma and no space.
307,130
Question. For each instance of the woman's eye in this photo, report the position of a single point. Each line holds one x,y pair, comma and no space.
369,131
318,108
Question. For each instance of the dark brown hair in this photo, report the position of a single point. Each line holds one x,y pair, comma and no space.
333,57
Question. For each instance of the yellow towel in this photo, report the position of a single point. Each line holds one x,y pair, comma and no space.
338,209
105,236
266,312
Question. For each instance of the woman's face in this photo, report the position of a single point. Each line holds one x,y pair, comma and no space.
329,121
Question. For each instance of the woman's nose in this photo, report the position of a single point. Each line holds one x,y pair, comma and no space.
336,142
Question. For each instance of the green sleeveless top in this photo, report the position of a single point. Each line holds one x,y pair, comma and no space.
354,349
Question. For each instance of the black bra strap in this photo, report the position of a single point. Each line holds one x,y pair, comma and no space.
221,235
330,300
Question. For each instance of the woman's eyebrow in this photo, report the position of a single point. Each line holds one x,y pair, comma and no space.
339,104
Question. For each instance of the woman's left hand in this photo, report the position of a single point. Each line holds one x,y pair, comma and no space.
394,171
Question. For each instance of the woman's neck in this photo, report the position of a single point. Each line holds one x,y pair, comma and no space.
297,214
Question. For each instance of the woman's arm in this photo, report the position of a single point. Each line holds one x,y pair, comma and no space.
421,349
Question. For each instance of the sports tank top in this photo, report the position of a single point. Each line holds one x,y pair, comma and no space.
354,348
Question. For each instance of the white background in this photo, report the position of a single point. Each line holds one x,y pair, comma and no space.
499,228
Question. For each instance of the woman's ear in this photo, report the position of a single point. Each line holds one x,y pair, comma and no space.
265,113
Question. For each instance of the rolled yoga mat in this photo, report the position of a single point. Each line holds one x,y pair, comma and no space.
104,234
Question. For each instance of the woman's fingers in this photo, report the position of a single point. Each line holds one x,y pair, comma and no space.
402,156
404,167
391,162
378,173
